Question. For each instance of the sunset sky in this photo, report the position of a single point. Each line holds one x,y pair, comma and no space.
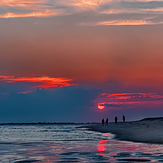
80,60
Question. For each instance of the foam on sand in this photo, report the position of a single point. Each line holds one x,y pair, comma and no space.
148,130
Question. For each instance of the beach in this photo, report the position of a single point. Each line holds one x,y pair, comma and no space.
148,130
20,143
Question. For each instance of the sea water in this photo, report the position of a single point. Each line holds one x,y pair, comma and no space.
64,143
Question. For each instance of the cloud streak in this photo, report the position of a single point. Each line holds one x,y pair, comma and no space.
47,13
89,3
28,4
124,22
131,104
131,100
125,11
42,82
132,95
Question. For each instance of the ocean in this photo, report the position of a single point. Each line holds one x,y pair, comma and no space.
64,143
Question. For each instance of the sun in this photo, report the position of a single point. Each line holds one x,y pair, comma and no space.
101,106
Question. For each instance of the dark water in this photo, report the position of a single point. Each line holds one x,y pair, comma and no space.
69,143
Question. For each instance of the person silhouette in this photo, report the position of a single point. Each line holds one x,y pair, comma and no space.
103,121
123,118
116,119
106,121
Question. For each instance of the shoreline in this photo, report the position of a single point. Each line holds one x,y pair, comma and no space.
148,130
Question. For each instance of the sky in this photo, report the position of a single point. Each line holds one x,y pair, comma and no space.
80,60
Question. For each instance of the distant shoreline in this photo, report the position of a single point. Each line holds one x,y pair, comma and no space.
148,130
48,123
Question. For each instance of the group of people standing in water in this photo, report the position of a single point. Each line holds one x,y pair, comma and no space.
116,119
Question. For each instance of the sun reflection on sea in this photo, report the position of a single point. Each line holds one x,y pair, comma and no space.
101,146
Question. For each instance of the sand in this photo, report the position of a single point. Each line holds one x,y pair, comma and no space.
148,130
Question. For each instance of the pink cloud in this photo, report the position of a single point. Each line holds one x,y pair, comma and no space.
129,100
25,92
131,95
131,104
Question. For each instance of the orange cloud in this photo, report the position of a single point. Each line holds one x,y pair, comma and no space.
43,81
153,10
32,3
116,11
124,22
88,3
120,22
21,3
33,14
128,11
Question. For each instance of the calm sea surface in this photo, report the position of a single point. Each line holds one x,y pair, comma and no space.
70,143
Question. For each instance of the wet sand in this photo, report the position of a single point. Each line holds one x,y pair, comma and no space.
148,130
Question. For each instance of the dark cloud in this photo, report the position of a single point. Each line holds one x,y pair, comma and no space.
62,105
113,105
141,5
15,87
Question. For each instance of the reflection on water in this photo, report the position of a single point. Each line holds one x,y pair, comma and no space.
101,146
84,149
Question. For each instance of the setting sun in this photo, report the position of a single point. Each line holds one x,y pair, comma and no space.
101,106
